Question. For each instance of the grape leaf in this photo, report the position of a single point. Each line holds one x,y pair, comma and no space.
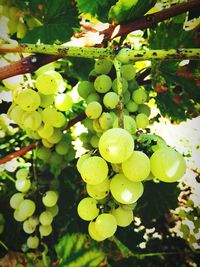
75,250
124,10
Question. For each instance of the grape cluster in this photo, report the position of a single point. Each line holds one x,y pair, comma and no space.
115,171
35,223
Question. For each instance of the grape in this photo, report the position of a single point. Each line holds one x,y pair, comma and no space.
21,30
47,67
33,134
124,85
63,102
143,108
94,170
137,167
105,121
31,120
103,66
55,137
28,228
96,126
22,185
93,110
54,210
133,85
46,218
81,160
43,153
33,221
142,121
60,120
128,72
13,13
124,55
26,208
62,148
127,97
167,165
28,100
22,173
87,209
129,124
88,124
99,191
94,141
139,96
122,216
131,106
124,190
45,130
93,233
110,100
15,113
49,83
46,143
116,145
49,115
45,230
55,159
19,216
13,83
93,97
103,83
106,225
33,242
50,198
16,199
46,100
85,88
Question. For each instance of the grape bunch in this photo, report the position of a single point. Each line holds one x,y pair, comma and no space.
36,222
114,170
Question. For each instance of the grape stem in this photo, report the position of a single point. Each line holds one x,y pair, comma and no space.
3,245
9,177
120,107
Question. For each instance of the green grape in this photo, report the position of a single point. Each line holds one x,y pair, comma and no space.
54,210
49,115
85,88
88,124
87,209
22,173
33,23
99,191
46,218
13,13
143,108
34,221
15,113
13,83
103,66
46,100
127,97
93,97
116,145
93,233
16,199
60,120
50,198
55,159
103,83
32,242
21,30
110,100
122,216
55,137
19,216
94,141
124,55
63,102
45,130
96,126
94,170
23,185
105,121
124,85
132,85
93,110
106,225
43,153
142,121
128,72
139,96
81,160
45,68
45,230
28,100
62,148
31,120
26,208
47,143
49,83
137,167
84,137
131,106
12,25
167,165
28,228
129,124
125,191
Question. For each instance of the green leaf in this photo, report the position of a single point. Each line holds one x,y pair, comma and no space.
76,250
124,10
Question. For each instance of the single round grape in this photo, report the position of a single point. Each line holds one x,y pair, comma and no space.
127,97
19,216
106,225
103,83
128,71
28,227
132,85
85,88
143,108
16,199
93,233
33,220
137,167
87,209
99,191
63,102
22,173
96,126
116,145
32,242
124,190
94,141
49,115
122,216
15,113
43,153
54,210
23,185
103,66
93,110
45,230
60,120
47,67
131,106
50,198
129,124
93,97
31,120
167,165
33,134
29,100
105,121
27,208
124,86
46,218
55,137
110,100
124,55
139,96
46,143
45,130
49,83
142,121
46,100
94,170
21,30
81,160
62,148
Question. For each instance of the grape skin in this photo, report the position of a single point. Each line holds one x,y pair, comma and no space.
87,209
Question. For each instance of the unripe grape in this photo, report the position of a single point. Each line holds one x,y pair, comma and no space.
46,218
81,160
93,233
110,100
55,137
29,100
94,141
103,83
103,66
31,120
106,225
124,85
21,30
54,210
124,55
122,216
87,209
129,124
93,97
43,153
62,148
27,208
49,115
50,198
23,185
45,230
142,121
45,131
131,106
33,242
143,108
139,96
85,88
105,121
22,173
93,110
28,227
128,72
46,100
16,199
63,102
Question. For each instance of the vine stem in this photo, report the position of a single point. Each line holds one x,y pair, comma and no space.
3,245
